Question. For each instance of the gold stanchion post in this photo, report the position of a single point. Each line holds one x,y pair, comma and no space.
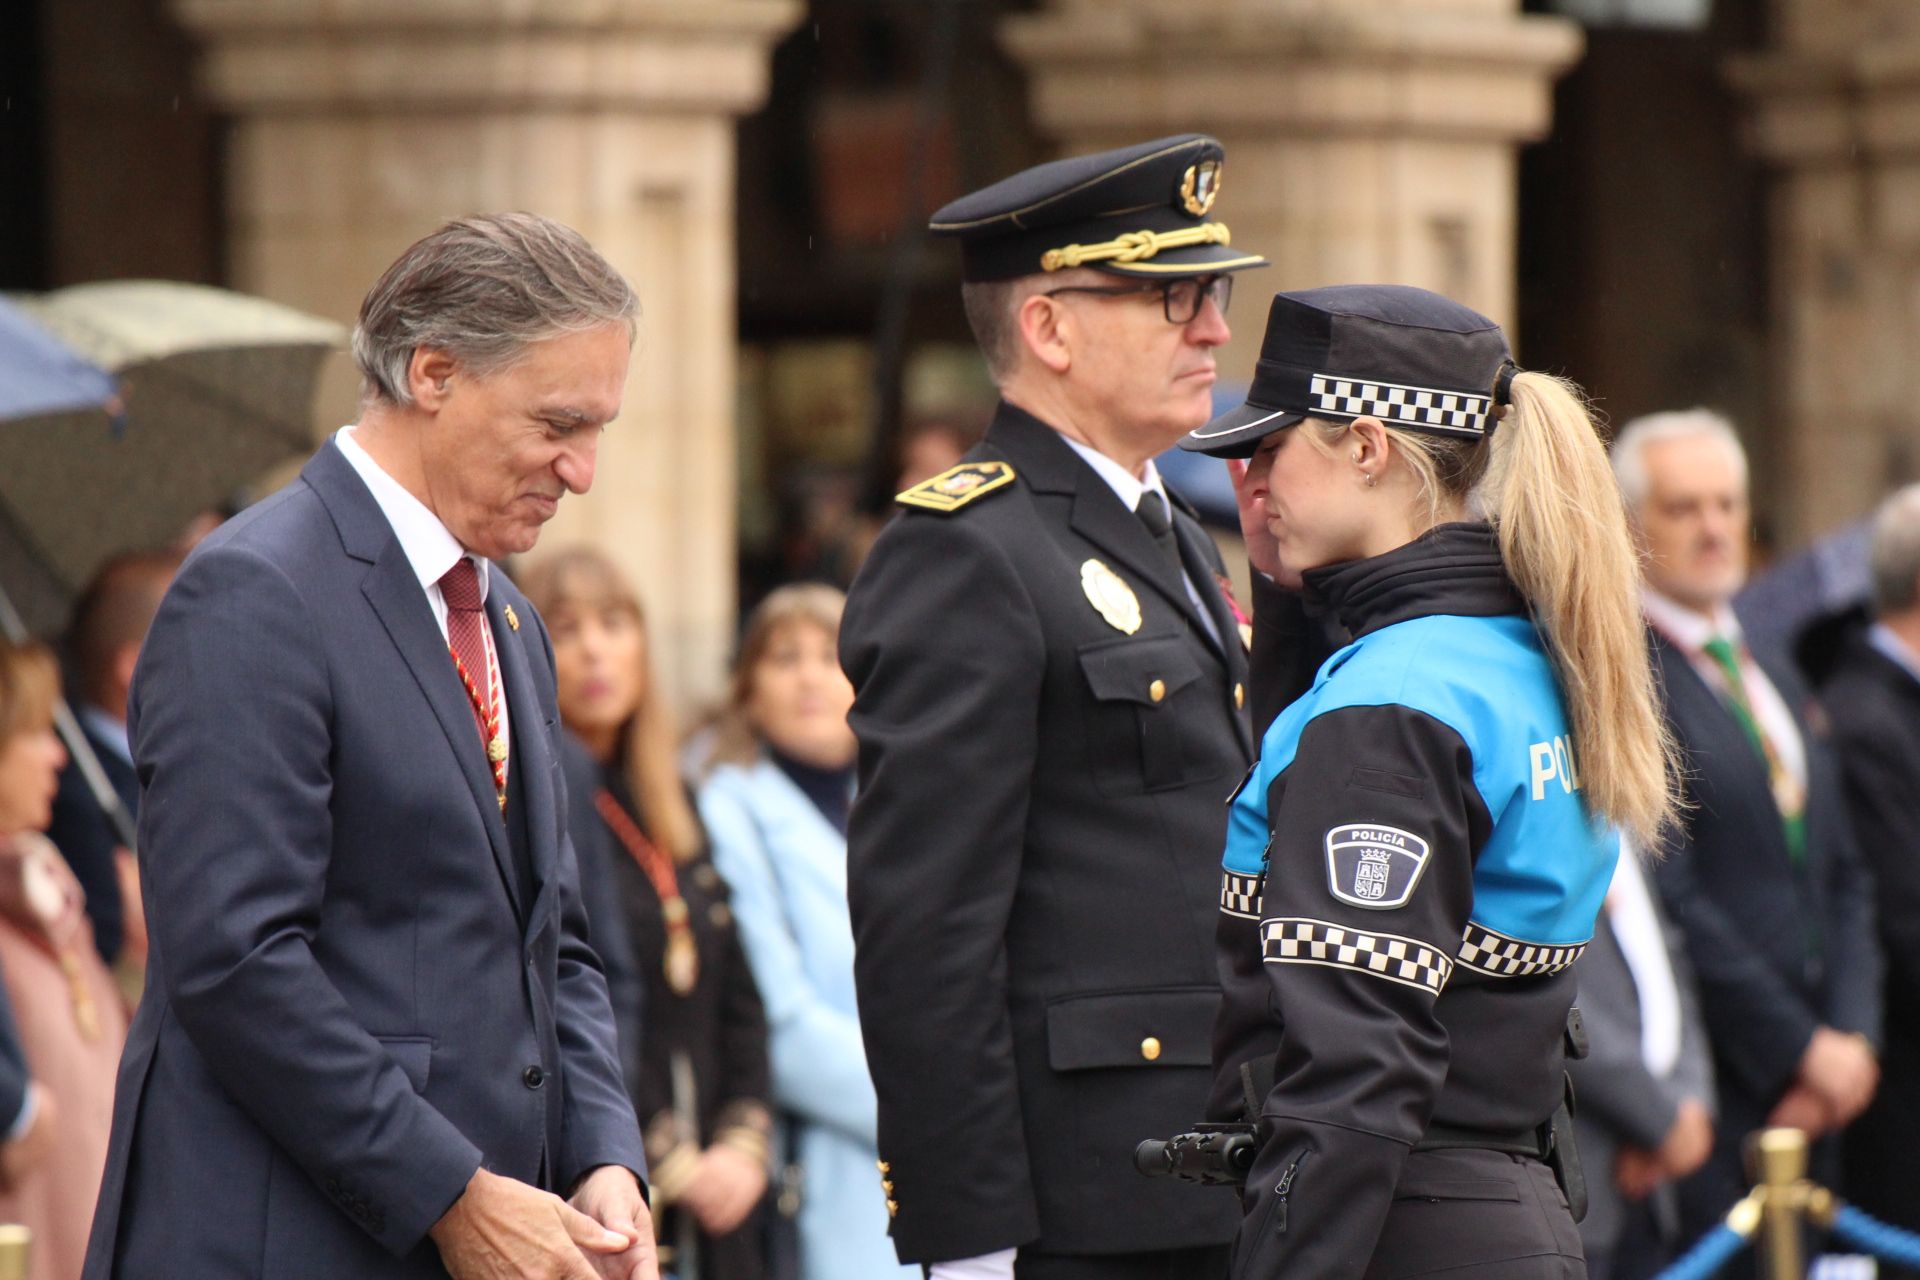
14,1243
1781,1159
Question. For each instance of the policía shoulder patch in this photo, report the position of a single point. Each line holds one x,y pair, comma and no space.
957,486
1374,866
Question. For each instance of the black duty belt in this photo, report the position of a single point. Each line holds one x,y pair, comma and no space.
1535,1142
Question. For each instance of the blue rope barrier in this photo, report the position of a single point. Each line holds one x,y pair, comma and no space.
1882,1239
1712,1252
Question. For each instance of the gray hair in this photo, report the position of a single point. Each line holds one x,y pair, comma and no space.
1894,554
483,289
993,312
1630,445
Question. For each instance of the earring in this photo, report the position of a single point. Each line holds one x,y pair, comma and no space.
1368,476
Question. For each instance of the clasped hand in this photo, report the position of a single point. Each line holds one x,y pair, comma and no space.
500,1229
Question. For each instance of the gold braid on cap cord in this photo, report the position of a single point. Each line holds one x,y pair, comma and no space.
1134,246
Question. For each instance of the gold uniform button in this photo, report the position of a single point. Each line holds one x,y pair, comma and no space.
883,1166
1239,696
1150,1048
1157,690
893,1207
886,1185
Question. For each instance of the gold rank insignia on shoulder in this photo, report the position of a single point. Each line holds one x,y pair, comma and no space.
513,619
955,487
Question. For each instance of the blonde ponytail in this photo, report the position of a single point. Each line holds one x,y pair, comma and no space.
1564,539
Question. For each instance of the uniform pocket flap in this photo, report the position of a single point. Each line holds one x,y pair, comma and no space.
1158,1028
415,1056
1456,1189
1137,670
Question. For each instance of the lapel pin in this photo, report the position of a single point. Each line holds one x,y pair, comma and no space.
513,619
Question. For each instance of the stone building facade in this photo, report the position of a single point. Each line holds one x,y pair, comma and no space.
1367,139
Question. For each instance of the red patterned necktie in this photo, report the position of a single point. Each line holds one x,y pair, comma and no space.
466,639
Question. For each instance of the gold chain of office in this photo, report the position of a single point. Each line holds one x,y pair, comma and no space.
1134,246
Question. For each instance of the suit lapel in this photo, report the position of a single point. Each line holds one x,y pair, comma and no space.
1710,729
1200,570
1049,465
1227,648
398,601
396,597
1102,519
531,729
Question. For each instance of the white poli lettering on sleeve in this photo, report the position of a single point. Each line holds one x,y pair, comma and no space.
1553,762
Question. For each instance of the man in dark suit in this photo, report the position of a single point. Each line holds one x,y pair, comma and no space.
1873,698
1051,685
375,1042
109,625
1646,1085
1763,877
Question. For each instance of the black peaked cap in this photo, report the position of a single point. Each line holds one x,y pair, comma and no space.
1073,212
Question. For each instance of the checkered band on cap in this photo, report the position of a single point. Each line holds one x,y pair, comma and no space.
1240,895
1458,413
1495,953
1408,961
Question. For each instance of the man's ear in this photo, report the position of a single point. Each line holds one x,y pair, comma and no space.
428,374
1047,331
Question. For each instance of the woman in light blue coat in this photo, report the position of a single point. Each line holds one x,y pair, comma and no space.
776,809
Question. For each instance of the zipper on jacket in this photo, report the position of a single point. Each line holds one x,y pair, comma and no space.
1283,1189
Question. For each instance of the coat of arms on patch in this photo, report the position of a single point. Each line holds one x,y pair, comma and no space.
1374,866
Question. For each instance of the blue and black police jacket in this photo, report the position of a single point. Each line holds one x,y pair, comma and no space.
1410,872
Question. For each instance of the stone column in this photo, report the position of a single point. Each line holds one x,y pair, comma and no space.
1367,140
360,125
1836,115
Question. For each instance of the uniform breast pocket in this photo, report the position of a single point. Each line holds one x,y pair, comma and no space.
1145,715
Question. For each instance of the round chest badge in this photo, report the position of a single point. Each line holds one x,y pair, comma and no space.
1111,596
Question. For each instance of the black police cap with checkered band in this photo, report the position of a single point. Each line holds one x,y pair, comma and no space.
1138,211
1408,357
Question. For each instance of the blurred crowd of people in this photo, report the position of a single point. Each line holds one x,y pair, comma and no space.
1751,974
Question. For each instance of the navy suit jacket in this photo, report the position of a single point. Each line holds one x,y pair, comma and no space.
352,1002
1778,949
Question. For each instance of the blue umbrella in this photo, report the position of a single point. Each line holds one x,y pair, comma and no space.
40,375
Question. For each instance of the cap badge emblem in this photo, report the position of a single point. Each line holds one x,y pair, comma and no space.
1111,596
1200,187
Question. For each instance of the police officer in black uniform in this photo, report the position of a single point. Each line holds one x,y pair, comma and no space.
1051,693
1420,854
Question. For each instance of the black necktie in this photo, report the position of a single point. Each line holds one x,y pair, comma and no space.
1153,514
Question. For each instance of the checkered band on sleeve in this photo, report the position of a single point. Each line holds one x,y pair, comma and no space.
1240,895
1408,961
1456,413
1495,953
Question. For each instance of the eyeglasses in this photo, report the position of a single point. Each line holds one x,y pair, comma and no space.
1179,299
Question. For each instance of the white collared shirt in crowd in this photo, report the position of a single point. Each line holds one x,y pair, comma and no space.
1691,631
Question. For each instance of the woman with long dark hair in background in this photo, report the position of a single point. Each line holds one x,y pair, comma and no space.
699,1080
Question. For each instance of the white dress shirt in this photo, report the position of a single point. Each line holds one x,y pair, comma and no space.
1636,927
430,550
1130,488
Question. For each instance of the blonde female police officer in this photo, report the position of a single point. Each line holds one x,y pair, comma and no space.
1420,854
